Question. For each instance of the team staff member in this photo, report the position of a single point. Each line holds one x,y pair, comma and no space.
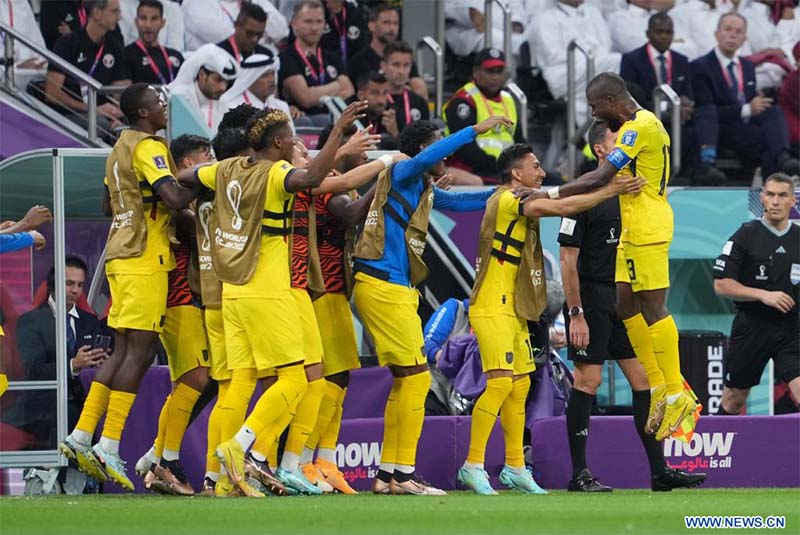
398,68
642,266
759,269
249,28
474,102
148,60
141,196
388,265
588,254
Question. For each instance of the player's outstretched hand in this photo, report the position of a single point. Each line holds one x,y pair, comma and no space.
36,216
779,300
492,122
359,142
38,240
624,185
351,114
444,181
527,194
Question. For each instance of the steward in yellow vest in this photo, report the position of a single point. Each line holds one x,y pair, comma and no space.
476,101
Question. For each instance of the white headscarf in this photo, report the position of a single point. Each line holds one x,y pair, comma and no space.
213,59
251,69
210,56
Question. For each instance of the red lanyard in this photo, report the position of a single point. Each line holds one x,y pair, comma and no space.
10,13
153,65
97,59
406,105
318,77
246,98
82,15
740,79
651,53
210,112
342,30
236,53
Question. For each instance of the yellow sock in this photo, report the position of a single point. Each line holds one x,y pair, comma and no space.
213,440
512,418
484,416
234,408
267,441
390,426
642,342
280,399
327,408
305,419
119,406
180,409
93,408
411,415
665,345
3,384
158,444
330,436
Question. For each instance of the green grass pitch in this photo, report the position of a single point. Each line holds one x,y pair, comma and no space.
461,513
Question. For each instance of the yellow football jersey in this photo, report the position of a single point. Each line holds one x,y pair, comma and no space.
271,277
151,168
496,294
643,147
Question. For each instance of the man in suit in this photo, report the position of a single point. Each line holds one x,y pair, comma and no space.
654,64
36,340
729,113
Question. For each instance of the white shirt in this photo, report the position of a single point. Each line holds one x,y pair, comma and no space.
763,33
271,102
653,54
25,23
724,61
211,21
628,27
556,28
695,24
209,112
171,35
72,314
462,36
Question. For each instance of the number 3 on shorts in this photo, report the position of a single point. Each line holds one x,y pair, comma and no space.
631,269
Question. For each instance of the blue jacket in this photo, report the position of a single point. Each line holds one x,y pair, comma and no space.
711,88
407,179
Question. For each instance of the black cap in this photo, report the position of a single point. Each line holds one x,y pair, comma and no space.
490,58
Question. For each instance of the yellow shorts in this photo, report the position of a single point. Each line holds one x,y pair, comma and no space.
504,343
339,343
389,312
215,330
262,333
645,267
138,301
184,340
312,342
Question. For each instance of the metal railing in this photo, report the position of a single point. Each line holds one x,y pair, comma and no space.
522,101
93,86
661,92
573,47
488,28
438,53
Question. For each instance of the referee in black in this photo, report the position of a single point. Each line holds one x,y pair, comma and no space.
588,254
759,269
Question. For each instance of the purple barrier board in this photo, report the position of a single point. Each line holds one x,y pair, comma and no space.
367,393
755,451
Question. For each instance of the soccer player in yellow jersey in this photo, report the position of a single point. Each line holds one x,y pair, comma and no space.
642,273
142,194
494,313
264,301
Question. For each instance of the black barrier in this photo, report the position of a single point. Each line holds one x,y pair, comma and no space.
701,365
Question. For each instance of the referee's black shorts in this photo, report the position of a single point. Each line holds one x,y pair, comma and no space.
608,339
754,340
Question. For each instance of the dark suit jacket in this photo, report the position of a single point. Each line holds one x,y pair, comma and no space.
711,89
36,341
636,68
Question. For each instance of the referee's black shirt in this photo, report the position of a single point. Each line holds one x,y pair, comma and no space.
759,257
596,233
